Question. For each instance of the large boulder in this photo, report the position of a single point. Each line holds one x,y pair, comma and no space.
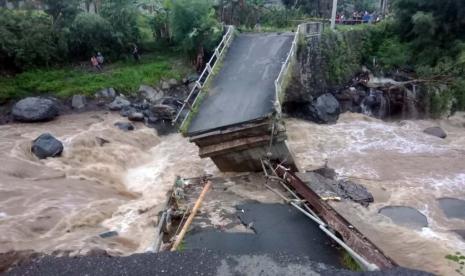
149,93
355,192
78,101
35,109
436,131
46,146
324,183
119,103
325,109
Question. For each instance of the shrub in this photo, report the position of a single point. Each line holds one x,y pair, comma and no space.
393,54
91,33
122,16
26,40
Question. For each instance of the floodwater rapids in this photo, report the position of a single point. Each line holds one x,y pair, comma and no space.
65,203
401,166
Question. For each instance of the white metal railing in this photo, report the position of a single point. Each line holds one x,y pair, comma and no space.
205,75
307,29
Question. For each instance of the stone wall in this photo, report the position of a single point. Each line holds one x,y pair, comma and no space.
324,63
327,78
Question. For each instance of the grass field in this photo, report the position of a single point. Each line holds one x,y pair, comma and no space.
124,76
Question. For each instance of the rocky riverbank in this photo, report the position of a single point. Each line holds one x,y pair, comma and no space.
155,106
379,97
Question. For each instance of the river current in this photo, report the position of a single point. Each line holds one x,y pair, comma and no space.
63,204
401,166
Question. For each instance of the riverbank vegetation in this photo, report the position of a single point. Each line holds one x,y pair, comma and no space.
125,76
46,46
48,50
422,39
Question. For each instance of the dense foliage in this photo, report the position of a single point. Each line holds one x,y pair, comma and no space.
64,33
427,36
26,39
90,33
193,26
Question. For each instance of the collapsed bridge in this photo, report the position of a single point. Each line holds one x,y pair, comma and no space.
233,114
237,122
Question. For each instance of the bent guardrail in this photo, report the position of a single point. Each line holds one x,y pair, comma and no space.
193,96
308,30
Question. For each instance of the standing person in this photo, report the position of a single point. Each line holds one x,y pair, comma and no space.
100,59
135,52
94,62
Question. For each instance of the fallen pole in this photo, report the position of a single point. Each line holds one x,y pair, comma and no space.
189,220
313,216
372,258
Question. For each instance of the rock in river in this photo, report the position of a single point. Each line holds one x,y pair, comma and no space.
46,146
35,109
124,126
436,131
325,109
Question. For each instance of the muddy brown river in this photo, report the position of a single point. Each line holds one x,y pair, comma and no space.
65,203
401,166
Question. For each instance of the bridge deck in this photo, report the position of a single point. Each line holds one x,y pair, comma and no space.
243,91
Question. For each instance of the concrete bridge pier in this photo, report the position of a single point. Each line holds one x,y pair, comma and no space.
241,148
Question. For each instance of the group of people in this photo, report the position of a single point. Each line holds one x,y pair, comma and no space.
357,18
98,59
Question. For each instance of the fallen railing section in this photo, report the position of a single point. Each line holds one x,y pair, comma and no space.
367,254
193,96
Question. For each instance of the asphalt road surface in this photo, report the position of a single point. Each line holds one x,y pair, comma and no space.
276,228
191,263
243,90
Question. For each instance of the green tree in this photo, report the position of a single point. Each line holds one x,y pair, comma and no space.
433,27
194,26
62,12
90,33
122,15
26,40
